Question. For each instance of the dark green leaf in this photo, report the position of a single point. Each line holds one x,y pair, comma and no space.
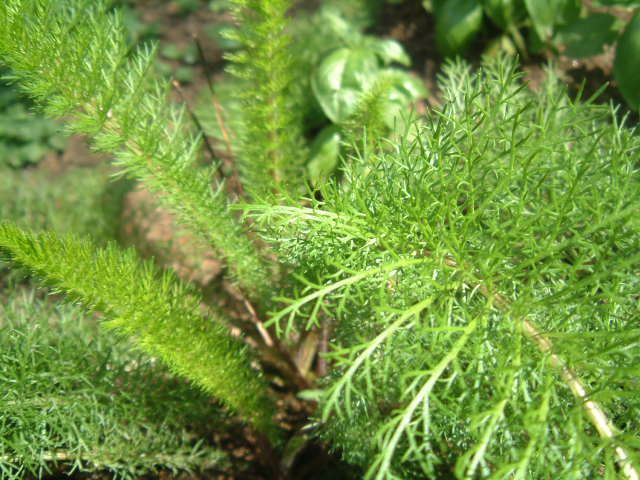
587,36
457,22
626,68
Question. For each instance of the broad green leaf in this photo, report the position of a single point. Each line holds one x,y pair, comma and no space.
548,14
504,13
391,51
404,90
325,152
340,79
338,25
587,36
457,22
626,68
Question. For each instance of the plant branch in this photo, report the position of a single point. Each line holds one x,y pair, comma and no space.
593,410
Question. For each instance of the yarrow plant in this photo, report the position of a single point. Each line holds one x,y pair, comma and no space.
458,300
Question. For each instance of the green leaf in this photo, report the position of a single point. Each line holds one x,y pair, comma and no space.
626,68
587,36
325,152
457,22
340,79
391,51
338,25
504,13
222,34
547,14
404,90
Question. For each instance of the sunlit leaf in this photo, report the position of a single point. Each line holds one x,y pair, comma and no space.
547,14
340,78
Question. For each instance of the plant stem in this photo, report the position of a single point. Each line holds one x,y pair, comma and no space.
593,410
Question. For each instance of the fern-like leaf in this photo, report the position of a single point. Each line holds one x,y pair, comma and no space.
157,310
271,150
74,59
502,340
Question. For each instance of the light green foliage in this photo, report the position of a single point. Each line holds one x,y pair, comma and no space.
334,69
270,151
433,259
24,138
114,97
159,312
74,398
475,272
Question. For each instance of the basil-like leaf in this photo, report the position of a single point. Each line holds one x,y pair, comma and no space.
340,78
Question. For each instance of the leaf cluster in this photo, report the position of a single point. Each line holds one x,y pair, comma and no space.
476,275
76,399
83,201
562,26
270,152
440,260
113,95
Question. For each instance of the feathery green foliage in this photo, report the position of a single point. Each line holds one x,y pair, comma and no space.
160,313
475,274
76,399
270,150
113,96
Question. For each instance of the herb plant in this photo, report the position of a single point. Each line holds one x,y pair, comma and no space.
460,300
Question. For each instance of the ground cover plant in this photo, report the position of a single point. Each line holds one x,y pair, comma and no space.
459,299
